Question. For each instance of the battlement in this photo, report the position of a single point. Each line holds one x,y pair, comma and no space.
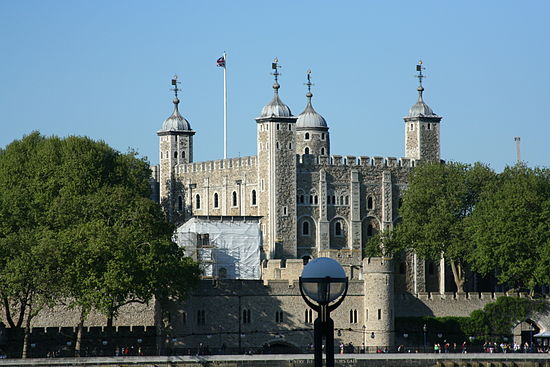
365,161
426,296
377,265
289,270
221,164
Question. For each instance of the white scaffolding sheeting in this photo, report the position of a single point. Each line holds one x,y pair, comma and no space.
228,250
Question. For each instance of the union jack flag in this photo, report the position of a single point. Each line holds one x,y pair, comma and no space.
221,62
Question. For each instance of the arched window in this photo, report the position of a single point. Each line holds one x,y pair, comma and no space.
370,230
347,200
338,229
183,154
305,228
253,197
289,145
301,199
216,200
322,151
175,154
370,202
306,151
316,199
277,145
180,203
234,198
323,136
306,137
197,201
311,199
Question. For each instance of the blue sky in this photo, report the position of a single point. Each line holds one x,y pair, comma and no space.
103,69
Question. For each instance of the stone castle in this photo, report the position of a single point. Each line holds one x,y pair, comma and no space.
305,203
308,203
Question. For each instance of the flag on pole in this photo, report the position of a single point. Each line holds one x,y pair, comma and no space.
221,62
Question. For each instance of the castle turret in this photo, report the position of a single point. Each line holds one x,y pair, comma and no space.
312,135
422,140
379,296
277,175
176,147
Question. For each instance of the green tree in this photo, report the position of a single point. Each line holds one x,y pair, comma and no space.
498,319
437,201
76,224
510,228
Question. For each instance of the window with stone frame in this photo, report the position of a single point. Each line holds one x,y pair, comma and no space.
278,317
253,197
197,201
338,230
234,198
305,228
216,200
370,202
306,136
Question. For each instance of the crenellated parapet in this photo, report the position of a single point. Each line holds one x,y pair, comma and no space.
217,165
309,160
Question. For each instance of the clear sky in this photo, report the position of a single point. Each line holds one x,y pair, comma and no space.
102,69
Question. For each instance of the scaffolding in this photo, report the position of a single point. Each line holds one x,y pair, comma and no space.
224,249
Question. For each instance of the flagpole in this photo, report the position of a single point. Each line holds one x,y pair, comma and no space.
225,106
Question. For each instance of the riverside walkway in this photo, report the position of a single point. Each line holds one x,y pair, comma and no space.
302,360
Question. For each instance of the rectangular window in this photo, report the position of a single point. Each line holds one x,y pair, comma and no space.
379,314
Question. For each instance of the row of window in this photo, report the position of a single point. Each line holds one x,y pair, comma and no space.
427,126
216,201
301,199
307,151
331,200
279,316
338,229
307,137
167,154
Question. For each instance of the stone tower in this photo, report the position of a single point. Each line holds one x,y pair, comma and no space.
422,140
312,135
276,138
176,147
379,296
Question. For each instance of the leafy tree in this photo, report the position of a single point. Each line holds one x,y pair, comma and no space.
76,223
437,201
500,317
510,228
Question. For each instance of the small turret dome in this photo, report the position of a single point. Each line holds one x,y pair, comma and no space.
276,108
176,122
420,109
310,118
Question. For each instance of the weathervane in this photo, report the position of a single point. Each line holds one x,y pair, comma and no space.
309,83
275,66
419,69
175,84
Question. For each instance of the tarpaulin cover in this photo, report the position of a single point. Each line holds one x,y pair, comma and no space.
230,250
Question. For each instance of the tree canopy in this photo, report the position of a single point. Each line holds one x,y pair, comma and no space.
510,228
77,224
438,199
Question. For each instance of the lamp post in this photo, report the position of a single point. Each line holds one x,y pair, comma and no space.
323,280
425,330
